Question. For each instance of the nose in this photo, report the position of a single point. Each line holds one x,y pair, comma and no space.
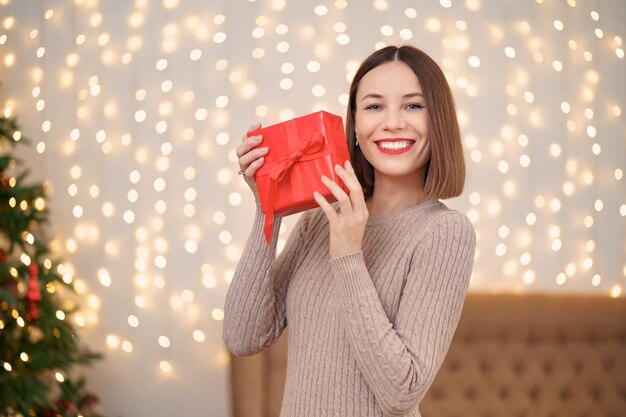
394,120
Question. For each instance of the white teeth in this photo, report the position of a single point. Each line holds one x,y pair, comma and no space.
394,146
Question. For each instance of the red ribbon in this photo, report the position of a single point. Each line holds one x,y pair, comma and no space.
278,172
33,294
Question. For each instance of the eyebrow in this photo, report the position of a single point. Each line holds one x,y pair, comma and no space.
378,96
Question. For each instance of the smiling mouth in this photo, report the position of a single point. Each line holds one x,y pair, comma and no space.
394,145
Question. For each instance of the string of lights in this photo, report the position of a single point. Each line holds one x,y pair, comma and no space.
136,108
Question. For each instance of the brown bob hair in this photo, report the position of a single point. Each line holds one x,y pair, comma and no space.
445,172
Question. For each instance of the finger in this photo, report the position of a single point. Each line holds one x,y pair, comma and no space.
250,129
248,144
251,156
342,198
349,178
328,210
251,170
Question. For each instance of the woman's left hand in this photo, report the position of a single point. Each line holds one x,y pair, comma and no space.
348,226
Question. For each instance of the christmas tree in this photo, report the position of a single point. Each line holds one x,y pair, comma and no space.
39,347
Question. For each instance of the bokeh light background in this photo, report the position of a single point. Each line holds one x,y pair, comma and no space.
135,108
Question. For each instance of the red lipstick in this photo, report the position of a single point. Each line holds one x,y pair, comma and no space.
394,146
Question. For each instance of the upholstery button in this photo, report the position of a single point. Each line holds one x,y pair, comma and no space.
547,368
565,394
437,394
518,368
595,393
504,393
607,365
470,393
578,366
533,394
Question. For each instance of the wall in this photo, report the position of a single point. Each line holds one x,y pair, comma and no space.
134,109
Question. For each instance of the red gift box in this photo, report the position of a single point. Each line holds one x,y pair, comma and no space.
300,151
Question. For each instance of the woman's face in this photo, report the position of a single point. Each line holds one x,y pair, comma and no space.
391,120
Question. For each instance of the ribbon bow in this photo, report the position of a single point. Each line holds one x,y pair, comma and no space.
280,169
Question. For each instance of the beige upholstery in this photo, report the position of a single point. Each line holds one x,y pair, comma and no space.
512,356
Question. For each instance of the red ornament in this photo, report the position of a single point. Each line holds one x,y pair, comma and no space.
47,412
33,295
65,405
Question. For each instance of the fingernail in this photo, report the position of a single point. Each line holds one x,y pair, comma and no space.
264,150
324,178
315,194
256,138
348,164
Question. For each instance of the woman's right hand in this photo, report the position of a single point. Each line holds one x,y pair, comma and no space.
251,158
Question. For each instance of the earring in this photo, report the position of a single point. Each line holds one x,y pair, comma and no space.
356,138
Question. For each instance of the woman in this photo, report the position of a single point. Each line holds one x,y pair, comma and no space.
372,287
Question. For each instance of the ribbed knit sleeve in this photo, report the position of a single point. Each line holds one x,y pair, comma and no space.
254,311
399,361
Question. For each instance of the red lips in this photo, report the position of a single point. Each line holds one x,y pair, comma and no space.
394,146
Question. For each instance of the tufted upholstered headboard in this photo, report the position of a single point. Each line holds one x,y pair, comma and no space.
530,355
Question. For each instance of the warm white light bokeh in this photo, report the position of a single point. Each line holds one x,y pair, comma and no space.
134,109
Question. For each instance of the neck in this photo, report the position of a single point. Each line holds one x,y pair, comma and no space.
394,194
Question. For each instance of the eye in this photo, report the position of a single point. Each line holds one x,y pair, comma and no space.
414,106
373,107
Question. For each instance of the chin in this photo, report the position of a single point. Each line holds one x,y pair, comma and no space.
398,171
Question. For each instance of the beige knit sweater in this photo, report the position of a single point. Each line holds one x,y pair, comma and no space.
367,331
